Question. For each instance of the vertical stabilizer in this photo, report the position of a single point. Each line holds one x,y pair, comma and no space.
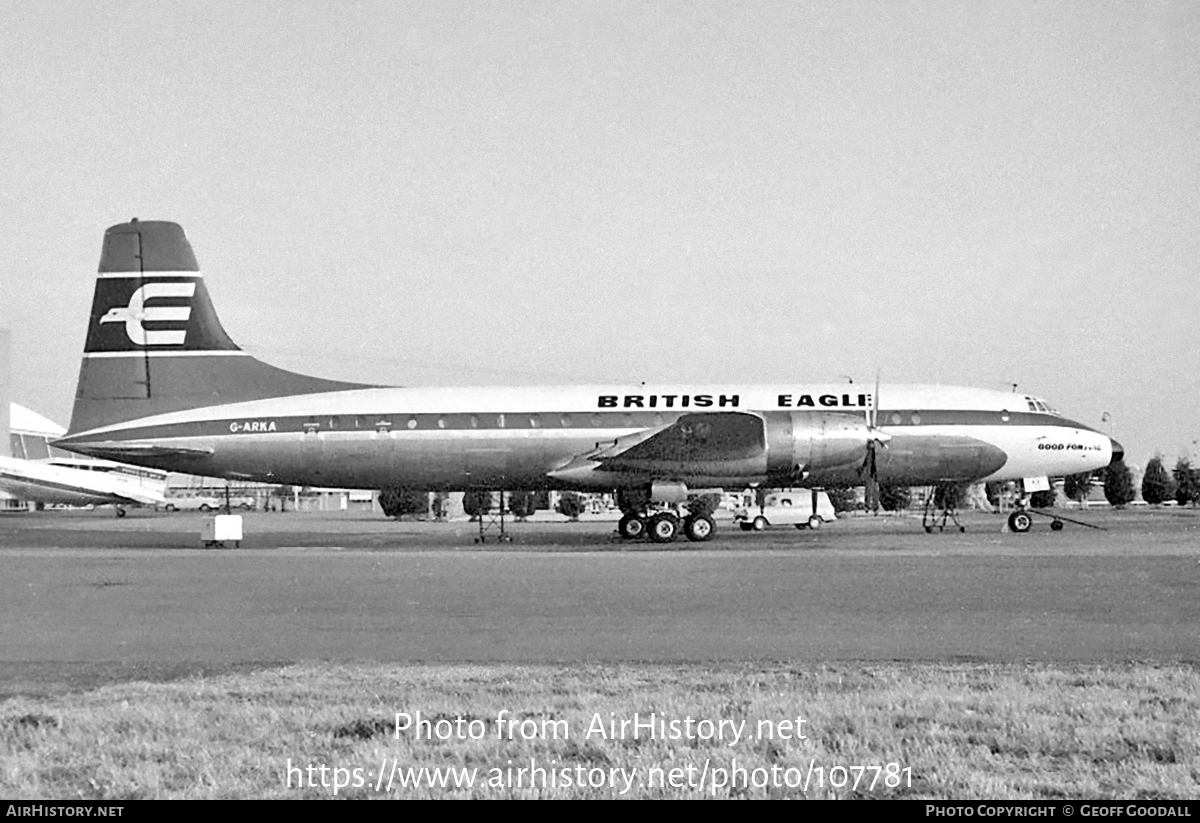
154,342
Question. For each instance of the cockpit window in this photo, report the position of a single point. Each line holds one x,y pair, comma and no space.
1036,404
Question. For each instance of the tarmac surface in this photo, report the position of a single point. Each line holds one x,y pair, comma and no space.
87,599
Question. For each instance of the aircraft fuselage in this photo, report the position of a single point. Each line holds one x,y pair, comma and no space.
545,437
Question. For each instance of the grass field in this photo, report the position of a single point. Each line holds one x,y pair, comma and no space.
1123,731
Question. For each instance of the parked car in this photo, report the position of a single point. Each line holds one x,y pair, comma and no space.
787,508
208,503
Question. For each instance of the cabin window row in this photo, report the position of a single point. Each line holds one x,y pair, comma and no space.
476,421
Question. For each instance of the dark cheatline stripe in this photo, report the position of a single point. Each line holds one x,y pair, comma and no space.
456,422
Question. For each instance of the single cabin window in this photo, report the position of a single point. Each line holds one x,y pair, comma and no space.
916,419
18,450
1004,415
474,422
441,422
412,422
500,420
565,420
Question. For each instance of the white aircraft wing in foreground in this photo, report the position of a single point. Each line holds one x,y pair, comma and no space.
43,482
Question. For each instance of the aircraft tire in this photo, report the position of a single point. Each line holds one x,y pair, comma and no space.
1056,525
120,512
1019,522
814,522
663,527
631,527
699,528
204,507
746,525
760,523
170,507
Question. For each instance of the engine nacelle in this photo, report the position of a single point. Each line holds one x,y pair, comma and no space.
803,442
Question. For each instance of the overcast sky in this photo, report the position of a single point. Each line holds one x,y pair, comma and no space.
447,193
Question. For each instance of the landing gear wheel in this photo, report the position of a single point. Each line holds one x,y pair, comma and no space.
631,526
1056,525
814,522
760,523
699,528
663,527
746,525
1019,522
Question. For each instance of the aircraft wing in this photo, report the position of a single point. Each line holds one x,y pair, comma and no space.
143,496
712,443
45,483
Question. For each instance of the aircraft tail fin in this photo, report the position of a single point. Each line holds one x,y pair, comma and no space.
154,342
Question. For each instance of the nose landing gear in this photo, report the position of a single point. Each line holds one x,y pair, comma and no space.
1021,521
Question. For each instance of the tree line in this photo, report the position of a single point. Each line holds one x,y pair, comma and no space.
1181,484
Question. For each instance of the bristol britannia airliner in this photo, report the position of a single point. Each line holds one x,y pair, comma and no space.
162,385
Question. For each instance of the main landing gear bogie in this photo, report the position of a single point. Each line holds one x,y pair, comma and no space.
664,526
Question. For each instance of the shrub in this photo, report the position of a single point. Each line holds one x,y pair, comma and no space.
894,498
570,504
521,504
1118,484
704,504
1077,486
949,495
398,501
477,503
843,500
1044,500
1157,483
1187,482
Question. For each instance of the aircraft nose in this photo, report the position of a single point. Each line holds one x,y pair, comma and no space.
1118,452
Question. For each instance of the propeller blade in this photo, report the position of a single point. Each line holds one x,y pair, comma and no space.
875,402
